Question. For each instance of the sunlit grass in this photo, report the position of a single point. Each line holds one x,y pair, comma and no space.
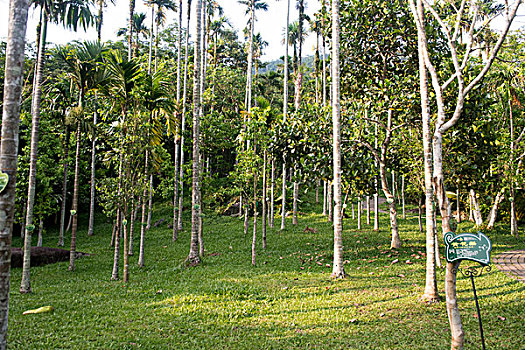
287,301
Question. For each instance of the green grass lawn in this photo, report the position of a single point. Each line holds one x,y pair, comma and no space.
287,301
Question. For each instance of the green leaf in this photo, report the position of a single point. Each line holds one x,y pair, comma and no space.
4,179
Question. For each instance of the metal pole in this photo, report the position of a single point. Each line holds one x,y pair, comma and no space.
479,314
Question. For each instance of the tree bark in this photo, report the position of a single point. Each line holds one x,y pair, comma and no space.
265,159
324,198
92,193
338,267
430,293
13,82
478,219
330,202
144,197
183,121
150,201
272,195
285,109
130,29
368,210
193,257
74,205
359,204
295,201
25,286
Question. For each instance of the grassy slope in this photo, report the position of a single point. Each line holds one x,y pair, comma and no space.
287,301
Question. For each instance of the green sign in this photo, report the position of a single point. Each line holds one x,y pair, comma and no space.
468,246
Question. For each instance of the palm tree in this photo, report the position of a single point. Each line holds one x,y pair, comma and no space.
156,95
194,256
13,81
183,117
158,17
100,16
338,267
123,77
252,6
139,29
54,11
285,109
83,61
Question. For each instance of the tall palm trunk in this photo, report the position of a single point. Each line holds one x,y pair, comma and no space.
264,204
64,191
177,138
25,286
100,18
74,205
202,88
193,257
130,29
143,216
13,82
285,109
338,267
93,158
183,122
272,194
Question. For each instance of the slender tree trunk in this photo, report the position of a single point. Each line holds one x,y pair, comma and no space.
368,210
419,220
142,247
74,205
285,109
376,212
295,201
396,241
13,82
254,236
92,194
150,201
272,195
116,256
100,18
324,197
458,211
338,267
494,210
478,219
359,204
177,138
183,122
130,29
330,202
264,195
430,293
25,286
40,232
353,211
132,225
193,257
403,195
175,234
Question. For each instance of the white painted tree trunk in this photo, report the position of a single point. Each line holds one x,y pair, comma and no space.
478,219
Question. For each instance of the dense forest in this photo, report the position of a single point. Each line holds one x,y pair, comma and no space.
412,106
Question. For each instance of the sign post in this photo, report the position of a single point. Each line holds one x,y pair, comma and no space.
474,247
